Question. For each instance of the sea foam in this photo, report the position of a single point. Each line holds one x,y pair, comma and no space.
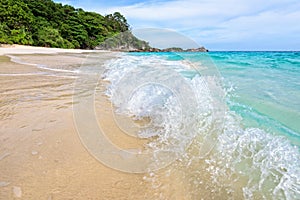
214,152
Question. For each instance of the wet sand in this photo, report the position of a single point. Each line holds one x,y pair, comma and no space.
41,155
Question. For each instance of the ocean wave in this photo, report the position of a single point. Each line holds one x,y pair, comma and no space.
216,155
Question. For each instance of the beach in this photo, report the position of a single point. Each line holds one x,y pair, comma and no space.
78,124
41,155
108,100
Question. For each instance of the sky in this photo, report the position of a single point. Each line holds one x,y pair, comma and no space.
215,24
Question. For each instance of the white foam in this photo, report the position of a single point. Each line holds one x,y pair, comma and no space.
40,66
38,74
173,122
261,164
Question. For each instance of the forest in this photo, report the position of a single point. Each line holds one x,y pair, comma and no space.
49,24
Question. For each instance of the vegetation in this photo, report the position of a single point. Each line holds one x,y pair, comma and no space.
49,24
124,41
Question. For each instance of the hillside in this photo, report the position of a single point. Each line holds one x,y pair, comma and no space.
124,41
48,24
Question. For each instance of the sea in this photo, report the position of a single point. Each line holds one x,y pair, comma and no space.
231,120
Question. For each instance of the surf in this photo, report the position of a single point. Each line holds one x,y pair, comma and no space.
216,155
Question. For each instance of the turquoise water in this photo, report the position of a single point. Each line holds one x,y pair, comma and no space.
230,119
266,89
262,87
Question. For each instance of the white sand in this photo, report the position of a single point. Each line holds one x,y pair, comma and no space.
22,49
41,155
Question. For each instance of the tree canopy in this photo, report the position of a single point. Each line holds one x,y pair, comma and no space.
49,24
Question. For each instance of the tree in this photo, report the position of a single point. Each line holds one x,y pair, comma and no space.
50,37
45,23
117,22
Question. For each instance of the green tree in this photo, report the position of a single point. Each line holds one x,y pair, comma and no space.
20,36
50,37
4,34
45,23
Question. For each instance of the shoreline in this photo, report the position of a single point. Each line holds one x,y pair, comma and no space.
21,49
41,155
24,49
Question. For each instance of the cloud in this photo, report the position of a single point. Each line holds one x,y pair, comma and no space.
267,30
64,2
212,10
164,38
235,23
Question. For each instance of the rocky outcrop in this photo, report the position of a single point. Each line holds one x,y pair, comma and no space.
124,42
173,49
200,49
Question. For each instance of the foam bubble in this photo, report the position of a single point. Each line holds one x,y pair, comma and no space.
244,163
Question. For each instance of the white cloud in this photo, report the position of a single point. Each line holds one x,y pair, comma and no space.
164,38
64,2
266,24
217,21
189,9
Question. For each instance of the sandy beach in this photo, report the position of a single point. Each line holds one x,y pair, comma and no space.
47,97
41,155
108,100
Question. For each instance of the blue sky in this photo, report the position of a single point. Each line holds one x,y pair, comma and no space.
216,24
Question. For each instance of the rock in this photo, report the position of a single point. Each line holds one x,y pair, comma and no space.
124,42
201,49
172,49
39,143
4,156
4,184
34,153
50,197
17,192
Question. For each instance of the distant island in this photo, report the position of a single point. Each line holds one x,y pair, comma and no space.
47,24
172,49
